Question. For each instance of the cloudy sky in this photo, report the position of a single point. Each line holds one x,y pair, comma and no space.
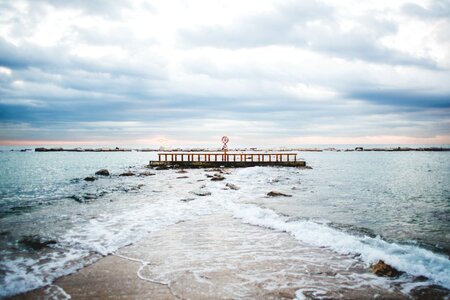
263,72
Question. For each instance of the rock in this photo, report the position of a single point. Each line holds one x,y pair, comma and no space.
76,198
162,168
209,176
217,177
90,196
129,173
182,177
102,172
383,269
201,193
187,199
277,194
34,242
89,178
146,174
232,186
181,171
218,170
137,187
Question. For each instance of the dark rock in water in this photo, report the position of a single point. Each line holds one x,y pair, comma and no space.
162,168
232,186
201,193
209,176
129,173
430,292
383,269
137,187
89,178
217,177
89,196
277,194
187,199
77,198
146,174
102,172
182,171
84,198
182,177
34,242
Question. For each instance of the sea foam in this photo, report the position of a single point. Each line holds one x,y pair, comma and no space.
413,260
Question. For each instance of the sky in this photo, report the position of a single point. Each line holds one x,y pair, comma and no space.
263,72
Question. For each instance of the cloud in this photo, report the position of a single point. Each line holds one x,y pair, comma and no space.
410,98
438,9
309,25
261,72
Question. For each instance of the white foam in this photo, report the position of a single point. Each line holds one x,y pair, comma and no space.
25,274
414,260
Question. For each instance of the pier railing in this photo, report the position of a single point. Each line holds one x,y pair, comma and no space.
228,157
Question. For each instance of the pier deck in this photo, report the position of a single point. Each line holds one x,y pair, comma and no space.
231,160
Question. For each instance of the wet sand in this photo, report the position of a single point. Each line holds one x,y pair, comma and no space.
218,257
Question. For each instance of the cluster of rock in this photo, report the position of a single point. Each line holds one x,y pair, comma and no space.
105,172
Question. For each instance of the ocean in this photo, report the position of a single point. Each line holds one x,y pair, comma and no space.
393,206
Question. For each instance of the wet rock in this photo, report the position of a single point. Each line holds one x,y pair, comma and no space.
146,174
162,168
89,178
430,292
277,194
383,269
102,172
182,171
232,186
129,173
218,170
187,199
77,198
35,242
209,176
137,187
89,196
201,193
182,177
217,177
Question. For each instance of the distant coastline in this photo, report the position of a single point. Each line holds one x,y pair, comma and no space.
328,149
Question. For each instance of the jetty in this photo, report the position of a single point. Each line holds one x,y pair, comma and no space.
189,160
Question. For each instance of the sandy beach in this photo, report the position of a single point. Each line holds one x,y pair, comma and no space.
218,257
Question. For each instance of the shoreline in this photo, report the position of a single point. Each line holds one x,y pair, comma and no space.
217,257
327,149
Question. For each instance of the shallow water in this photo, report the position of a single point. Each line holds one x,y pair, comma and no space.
373,205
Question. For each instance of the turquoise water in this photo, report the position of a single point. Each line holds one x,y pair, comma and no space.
389,197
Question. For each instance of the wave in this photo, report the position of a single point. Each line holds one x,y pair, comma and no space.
411,259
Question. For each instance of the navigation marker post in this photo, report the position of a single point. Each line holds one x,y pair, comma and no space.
225,141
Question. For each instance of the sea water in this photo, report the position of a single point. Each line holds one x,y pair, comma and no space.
393,206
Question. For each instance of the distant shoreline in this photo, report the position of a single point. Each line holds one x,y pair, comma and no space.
117,149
